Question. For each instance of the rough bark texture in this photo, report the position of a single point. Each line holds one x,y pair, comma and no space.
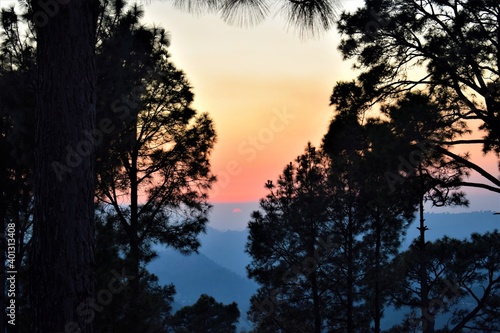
62,276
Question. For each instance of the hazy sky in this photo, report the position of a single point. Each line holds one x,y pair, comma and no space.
268,93
266,89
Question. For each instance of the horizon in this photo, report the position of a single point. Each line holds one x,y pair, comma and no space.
261,85
232,216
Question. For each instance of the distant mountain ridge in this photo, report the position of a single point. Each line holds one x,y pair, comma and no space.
227,248
456,225
197,274
219,269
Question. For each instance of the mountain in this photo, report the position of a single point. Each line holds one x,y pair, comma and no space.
219,269
197,274
458,225
227,248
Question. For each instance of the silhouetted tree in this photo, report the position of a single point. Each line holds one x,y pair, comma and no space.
17,106
306,251
395,160
364,150
206,316
463,279
113,285
421,123
447,48
129,55
154,168
63,235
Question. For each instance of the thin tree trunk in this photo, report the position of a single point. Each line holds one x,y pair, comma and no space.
427,318
316,302
62,277
377,300
350,276
134,255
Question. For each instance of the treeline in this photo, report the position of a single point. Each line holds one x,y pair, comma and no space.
326,242
152,174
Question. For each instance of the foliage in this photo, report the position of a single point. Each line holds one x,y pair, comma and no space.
463,282
287,244
309,18
160,149
110,311
323,243
156,157
206,316
143,110
447,49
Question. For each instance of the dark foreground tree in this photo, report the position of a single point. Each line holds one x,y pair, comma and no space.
63,237
422,123
132,61
206,316
113,285
154,168
322,243
291,245
362,150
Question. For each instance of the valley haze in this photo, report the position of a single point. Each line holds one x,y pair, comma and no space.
219,268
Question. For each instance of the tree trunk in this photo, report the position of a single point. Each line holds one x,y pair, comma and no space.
62,277
350,275
135,252
316,304
378,289
427,318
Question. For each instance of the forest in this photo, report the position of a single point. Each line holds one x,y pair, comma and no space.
104,160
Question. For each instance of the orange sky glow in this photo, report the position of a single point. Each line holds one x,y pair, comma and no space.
267,91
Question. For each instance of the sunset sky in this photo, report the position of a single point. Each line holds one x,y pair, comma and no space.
266,89
268,93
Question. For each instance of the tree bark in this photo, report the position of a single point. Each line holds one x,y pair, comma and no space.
62,277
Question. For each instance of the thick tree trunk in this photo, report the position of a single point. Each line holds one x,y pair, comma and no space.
62,278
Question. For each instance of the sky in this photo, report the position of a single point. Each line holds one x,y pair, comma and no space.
268,92
266,88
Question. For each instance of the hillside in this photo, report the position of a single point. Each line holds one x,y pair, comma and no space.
219,269
196,274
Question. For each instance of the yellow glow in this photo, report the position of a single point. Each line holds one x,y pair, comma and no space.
244,78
